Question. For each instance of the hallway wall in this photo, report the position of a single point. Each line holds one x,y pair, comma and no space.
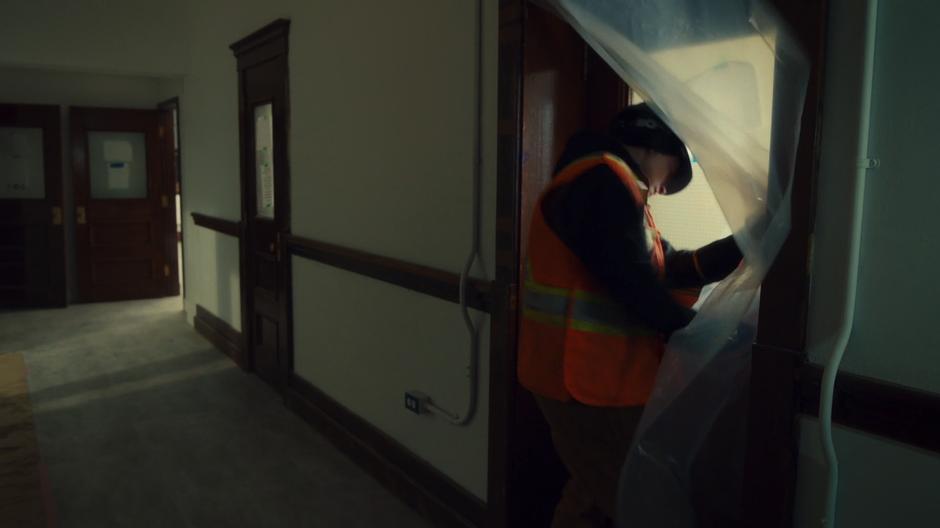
381,149
128,37
72,88
894,337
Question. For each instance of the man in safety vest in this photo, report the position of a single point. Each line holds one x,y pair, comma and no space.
603,292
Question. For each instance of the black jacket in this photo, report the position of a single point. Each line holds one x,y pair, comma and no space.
598,219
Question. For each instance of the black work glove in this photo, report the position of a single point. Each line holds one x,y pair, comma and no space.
689,314
718,259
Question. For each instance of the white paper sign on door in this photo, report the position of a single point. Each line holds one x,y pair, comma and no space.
119,175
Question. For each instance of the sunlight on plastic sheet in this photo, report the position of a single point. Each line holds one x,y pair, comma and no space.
730,79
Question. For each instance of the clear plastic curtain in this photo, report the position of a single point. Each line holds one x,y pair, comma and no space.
730,79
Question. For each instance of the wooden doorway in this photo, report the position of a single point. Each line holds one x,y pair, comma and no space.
32,238
125,222
549,87
552,85
265,275
170,116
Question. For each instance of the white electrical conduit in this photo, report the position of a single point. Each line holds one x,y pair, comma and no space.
474,360
848,313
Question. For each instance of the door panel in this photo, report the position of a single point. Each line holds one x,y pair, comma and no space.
124,215
32,238
262,68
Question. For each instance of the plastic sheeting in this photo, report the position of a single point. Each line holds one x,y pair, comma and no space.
730,79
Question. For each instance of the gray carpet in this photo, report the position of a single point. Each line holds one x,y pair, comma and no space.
142,423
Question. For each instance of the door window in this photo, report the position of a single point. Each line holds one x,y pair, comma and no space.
264,160
22,173
117,163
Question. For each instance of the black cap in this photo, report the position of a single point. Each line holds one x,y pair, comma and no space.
639,126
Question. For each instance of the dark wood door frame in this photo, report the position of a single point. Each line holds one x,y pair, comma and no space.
780,349
264,45
26,213
172,106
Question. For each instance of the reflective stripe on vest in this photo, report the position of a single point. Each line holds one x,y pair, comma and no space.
589,312
575,341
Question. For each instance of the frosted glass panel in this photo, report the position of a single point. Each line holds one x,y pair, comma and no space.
21,165
117,164
264,160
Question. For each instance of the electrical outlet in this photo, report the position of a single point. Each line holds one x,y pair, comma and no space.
417,402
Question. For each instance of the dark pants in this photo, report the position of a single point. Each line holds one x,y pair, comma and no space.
592,442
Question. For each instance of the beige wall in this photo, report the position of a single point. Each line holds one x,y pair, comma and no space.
384,162
895,337
72,88
381,146
366,342
139,37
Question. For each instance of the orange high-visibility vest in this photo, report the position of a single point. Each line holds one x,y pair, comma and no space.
575,340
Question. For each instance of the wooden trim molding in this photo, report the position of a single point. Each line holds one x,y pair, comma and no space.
773,431
228,227
772,420
269,40
504,495
221,334
878,407
414,481
436,283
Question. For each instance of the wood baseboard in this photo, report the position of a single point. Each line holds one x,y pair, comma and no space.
222,335
414,481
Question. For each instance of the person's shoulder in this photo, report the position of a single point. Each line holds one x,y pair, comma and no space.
587,142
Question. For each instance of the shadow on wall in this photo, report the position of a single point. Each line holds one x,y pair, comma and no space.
223,295
225,267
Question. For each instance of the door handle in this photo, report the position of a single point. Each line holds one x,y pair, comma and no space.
80,216
56,215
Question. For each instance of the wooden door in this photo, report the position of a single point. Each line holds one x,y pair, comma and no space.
262,75
566,87
124,215
32,239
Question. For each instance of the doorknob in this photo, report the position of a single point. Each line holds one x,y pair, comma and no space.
56,215
80,217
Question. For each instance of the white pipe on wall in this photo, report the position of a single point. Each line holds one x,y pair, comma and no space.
851,273
473,363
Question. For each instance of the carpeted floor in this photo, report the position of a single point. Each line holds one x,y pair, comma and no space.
142,423
22,500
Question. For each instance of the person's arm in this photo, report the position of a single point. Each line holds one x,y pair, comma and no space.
707,264
598,219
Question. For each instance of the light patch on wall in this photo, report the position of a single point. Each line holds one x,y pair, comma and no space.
691,218
744,61
214,283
